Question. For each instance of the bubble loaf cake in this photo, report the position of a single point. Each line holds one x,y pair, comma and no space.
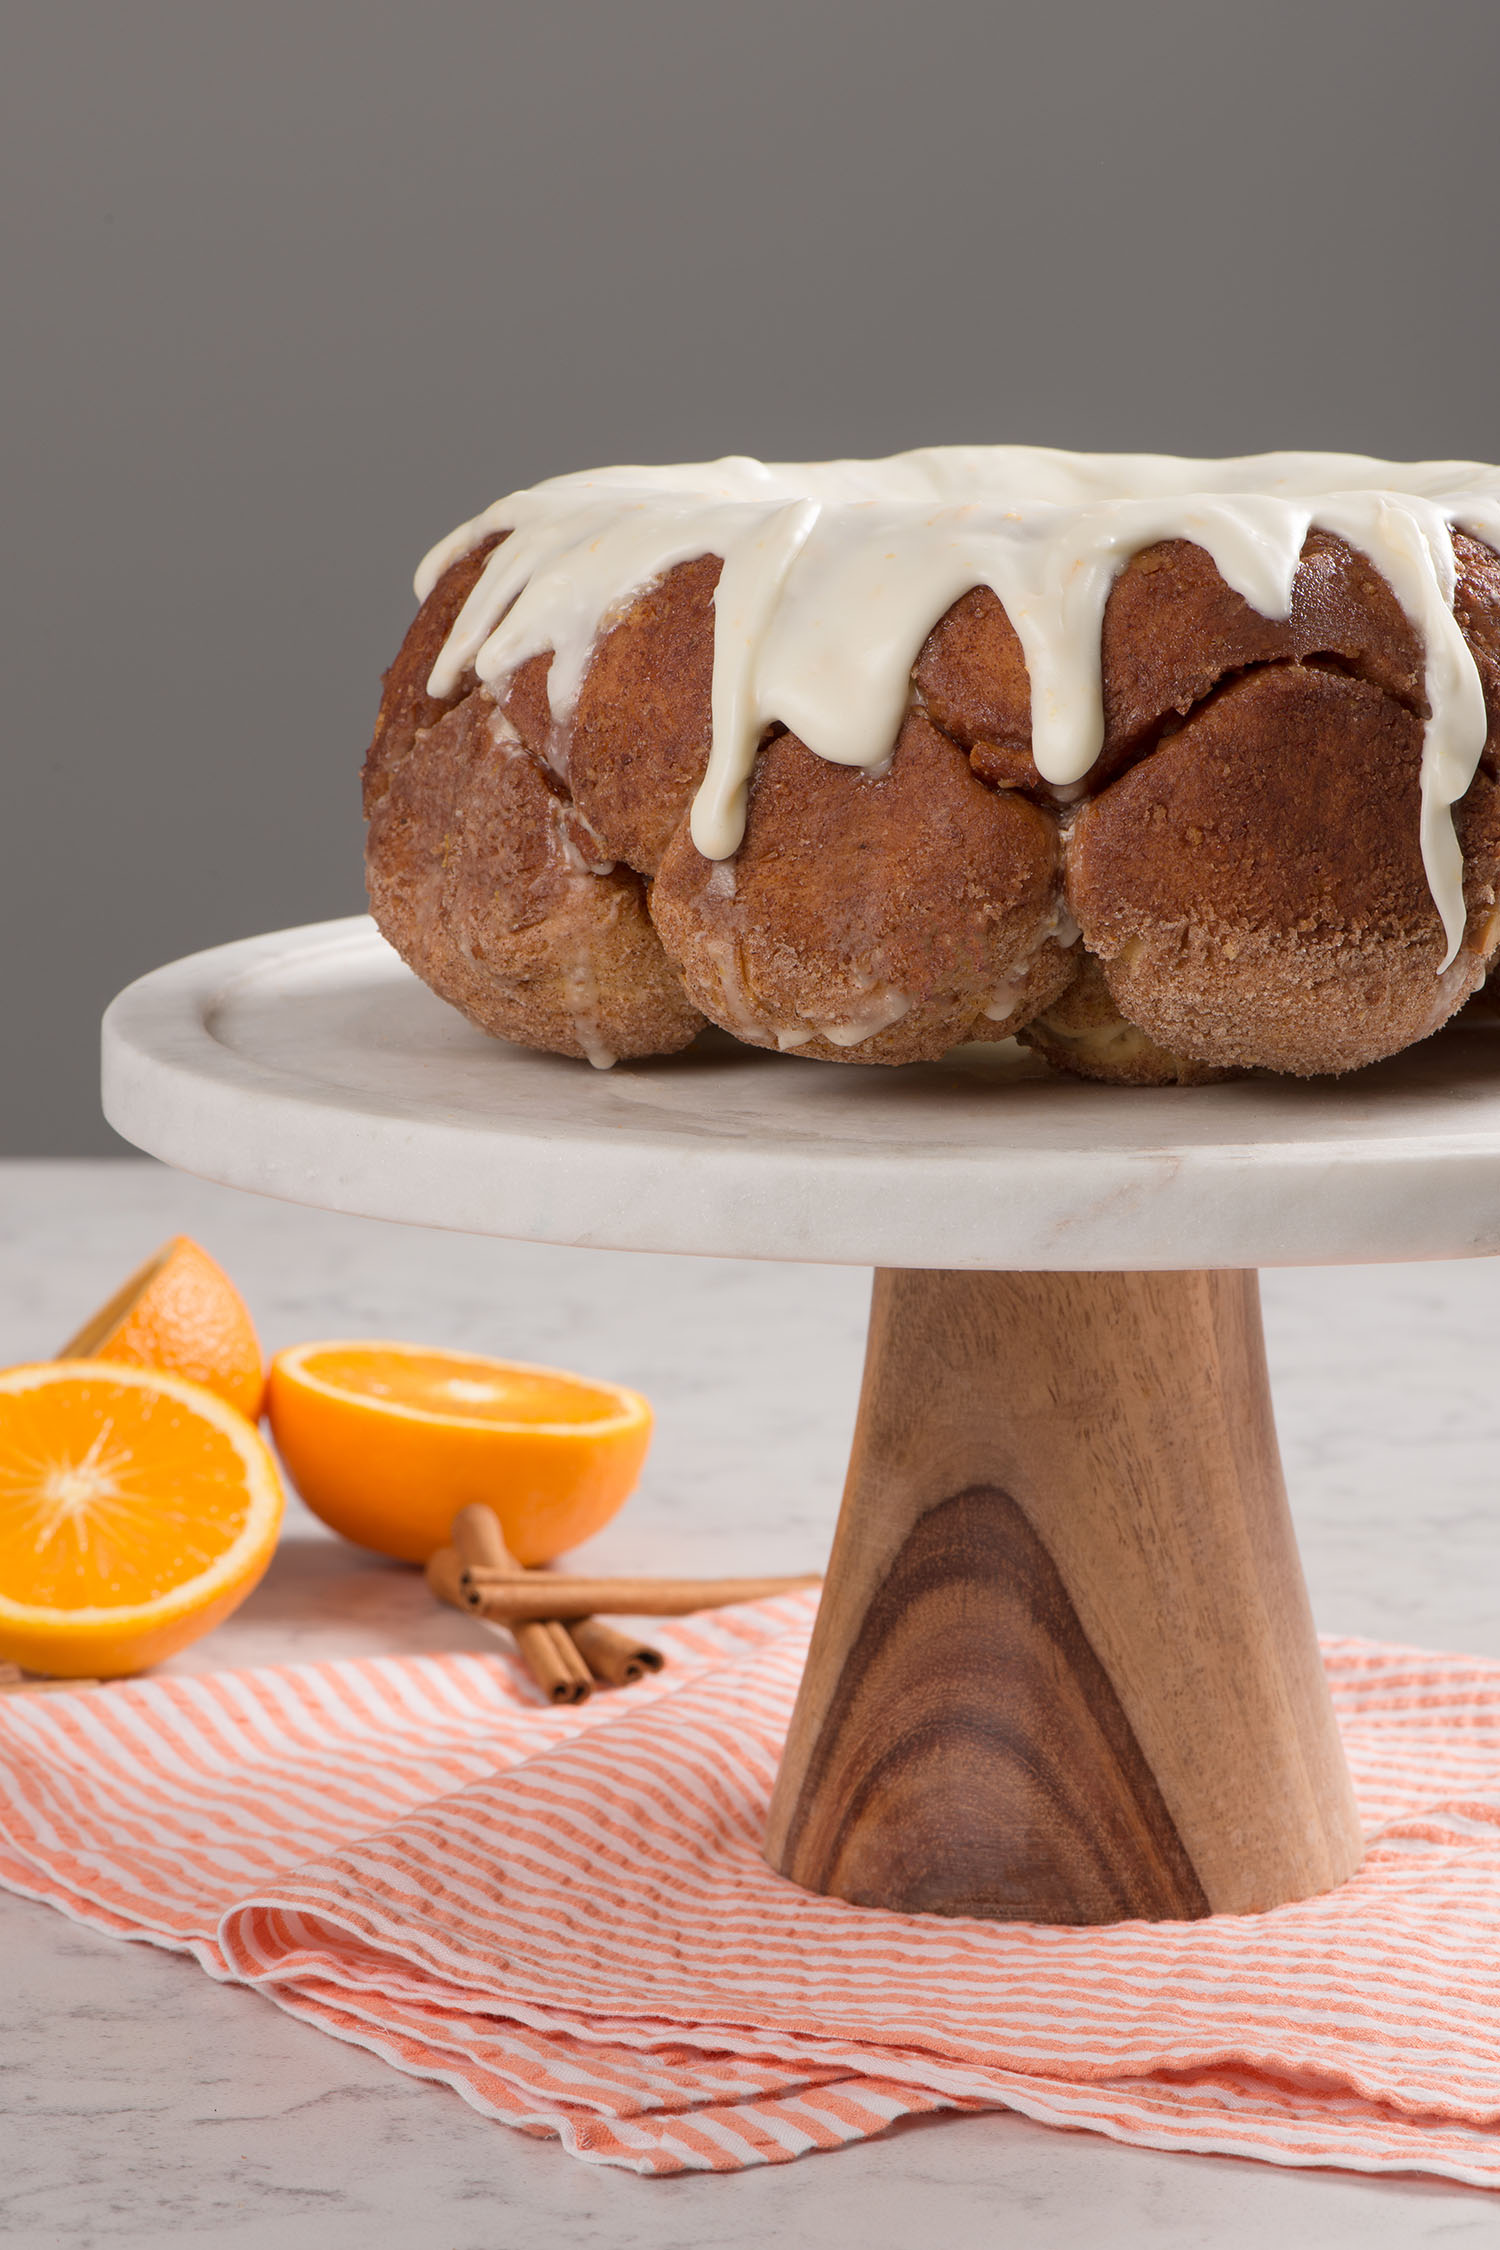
1175,768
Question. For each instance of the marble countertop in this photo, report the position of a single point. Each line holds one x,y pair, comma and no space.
145,2105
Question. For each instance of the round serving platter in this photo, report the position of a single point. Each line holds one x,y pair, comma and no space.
312,1065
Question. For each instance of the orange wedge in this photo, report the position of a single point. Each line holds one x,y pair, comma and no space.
386,1442
180,1311
136,1511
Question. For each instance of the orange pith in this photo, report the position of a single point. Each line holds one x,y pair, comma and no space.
387,1441
180,1311
136,1510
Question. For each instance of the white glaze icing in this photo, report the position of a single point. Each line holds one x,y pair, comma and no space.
884,1006
835,572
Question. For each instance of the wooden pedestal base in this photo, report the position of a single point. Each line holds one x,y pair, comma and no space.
1065,1668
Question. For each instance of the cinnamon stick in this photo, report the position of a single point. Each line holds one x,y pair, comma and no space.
554,1663
479,1542
544,1648
511,1597
445,1575
617,1658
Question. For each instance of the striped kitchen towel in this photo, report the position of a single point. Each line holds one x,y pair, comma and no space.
563,1914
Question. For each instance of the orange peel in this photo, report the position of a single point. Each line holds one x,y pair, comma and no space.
180,1311
387,1441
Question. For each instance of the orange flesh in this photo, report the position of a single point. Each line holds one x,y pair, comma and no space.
465,1389
110,1495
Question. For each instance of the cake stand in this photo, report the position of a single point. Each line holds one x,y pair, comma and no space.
1064,1668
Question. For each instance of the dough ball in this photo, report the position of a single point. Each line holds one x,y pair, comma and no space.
1255,886
870,918
492,887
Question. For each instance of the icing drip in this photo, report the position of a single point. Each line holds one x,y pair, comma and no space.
887,1006
581,986
835,572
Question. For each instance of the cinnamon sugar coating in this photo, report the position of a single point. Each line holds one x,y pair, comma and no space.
1255,886
641,732
489,882
1172,631
914,908
1084,1033
406,709
1244,863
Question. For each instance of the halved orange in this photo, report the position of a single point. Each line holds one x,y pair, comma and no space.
180,1311
136,1511
386,1442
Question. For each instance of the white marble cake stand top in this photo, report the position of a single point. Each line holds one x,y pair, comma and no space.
312,1065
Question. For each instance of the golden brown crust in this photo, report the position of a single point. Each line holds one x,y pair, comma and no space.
640,737
892,912
971,678
529,710
1255,887
406,708
1173,631
1084,1034
1246,865
487,881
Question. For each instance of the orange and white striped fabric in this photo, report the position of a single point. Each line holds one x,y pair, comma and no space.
564,1915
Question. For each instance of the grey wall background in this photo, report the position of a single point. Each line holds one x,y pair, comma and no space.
291,288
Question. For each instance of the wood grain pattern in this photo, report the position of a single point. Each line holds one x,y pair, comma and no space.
972,1705
1065,1668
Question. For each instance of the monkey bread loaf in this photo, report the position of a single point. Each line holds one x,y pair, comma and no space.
1173,768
